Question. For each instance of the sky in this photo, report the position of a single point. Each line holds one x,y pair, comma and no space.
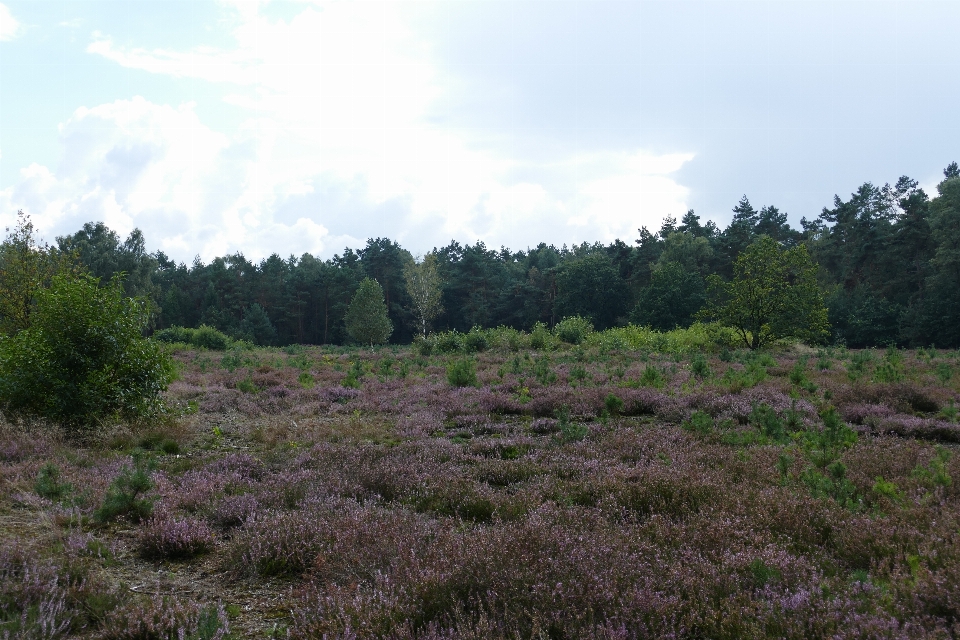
290,127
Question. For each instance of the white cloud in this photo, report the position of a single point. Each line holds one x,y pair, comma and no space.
338,97
10,28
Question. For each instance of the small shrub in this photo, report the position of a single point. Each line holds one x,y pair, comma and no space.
462,373
450,342
542,371
766,420
699,366
652,377
210,338
569,430
573,330
613,405
48,484
125,497
475,341
944,372
540,338
699,422
164,537
578,374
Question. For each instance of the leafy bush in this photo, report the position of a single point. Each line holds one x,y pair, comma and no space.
462,373
83,358
475,341
210,338
573,330
204,337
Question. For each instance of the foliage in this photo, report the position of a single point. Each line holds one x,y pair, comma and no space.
462,373
204,337
125,497
83,358
774,294
367,321
573,330
424,286
26,266
672,299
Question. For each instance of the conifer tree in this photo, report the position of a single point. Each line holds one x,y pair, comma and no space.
366,320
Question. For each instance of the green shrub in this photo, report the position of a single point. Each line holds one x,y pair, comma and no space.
652,377
425,346
83,358
540,338
450,342
699,366
175,334
210,338
613,404
48,484
700,422
462,373
573,330
125,497
475,341
570,431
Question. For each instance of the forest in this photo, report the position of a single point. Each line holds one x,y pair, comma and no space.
889,267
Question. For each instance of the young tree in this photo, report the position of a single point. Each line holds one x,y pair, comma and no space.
423,287
773,294
26,266
367,321
83,358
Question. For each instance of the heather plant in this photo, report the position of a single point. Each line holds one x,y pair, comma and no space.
126,495
165,537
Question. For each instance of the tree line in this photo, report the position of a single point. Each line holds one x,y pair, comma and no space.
888,267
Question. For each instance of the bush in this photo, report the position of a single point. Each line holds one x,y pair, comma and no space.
163,537
475,341
210,338
125,495
573,330
462,373
83,358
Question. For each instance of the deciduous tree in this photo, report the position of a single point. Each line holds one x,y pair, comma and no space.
773,294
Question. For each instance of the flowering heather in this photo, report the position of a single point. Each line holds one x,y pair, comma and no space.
165,536
588,493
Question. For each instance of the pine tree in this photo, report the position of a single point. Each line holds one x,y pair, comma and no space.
366,320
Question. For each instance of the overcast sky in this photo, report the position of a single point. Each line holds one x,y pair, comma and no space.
291,127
